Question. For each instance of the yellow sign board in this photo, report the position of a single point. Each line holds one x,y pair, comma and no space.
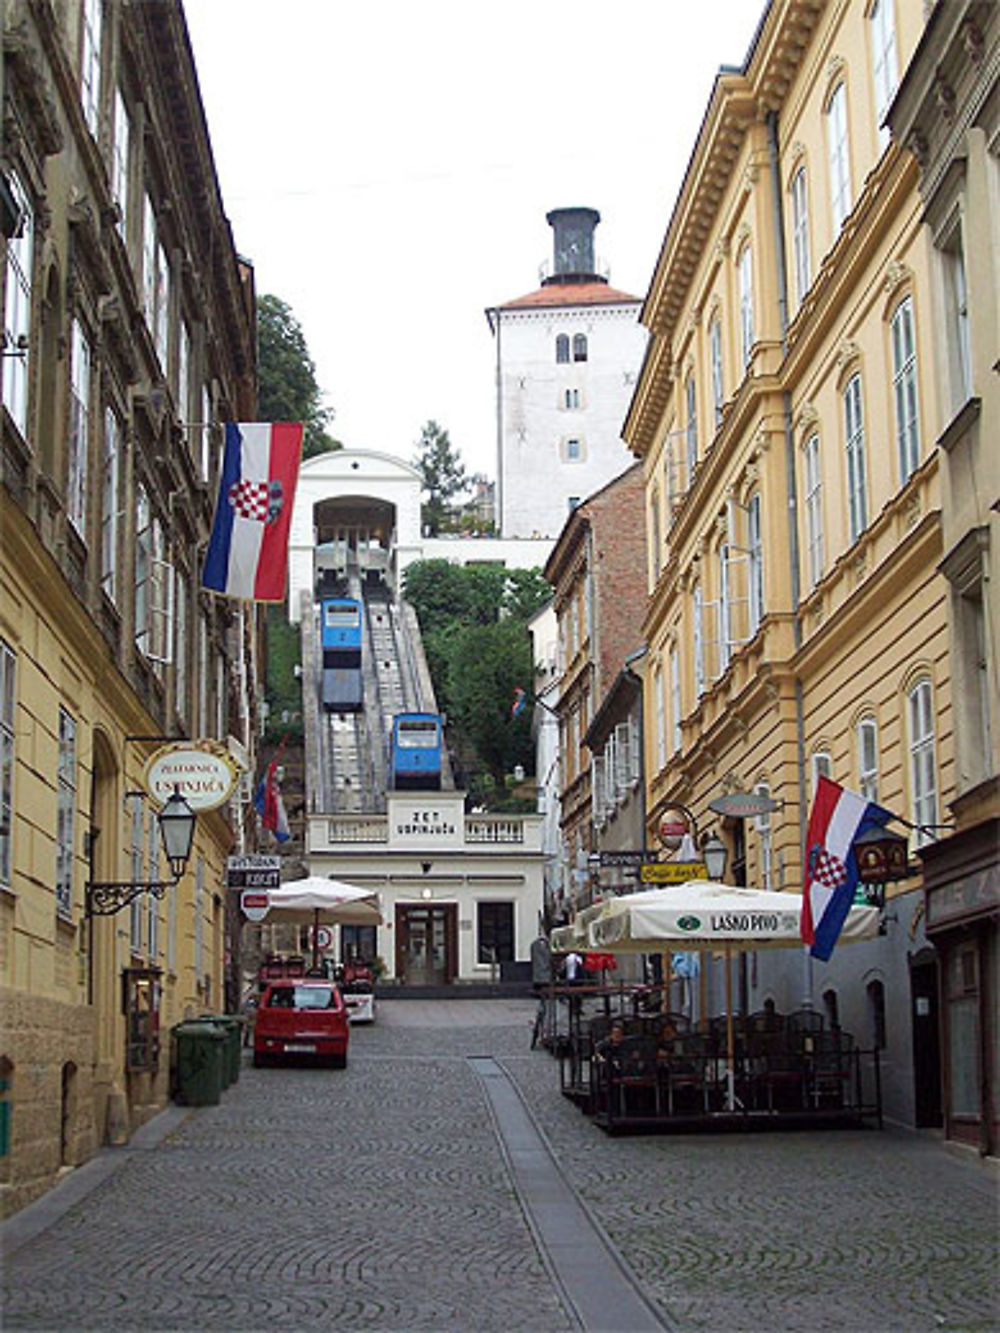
671,872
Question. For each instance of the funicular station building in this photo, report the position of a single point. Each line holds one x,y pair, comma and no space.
461,891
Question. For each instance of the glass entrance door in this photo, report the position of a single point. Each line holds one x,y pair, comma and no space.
425,945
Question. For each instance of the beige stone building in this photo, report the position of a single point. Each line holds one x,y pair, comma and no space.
128,331
948,114
786,418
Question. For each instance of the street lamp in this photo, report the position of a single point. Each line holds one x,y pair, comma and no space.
176,821
715,854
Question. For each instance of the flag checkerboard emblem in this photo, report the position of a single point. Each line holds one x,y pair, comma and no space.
250,499
827,869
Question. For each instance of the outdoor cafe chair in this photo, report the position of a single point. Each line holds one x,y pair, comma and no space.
683,1074
831,1067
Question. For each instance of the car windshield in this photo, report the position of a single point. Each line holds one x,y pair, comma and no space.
303,997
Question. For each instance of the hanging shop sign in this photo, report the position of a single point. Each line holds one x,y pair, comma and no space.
204,772
253,872
671,872
744,805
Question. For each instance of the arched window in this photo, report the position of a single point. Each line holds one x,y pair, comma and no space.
904,384
691,401
579,347
755,542
814,510
840,162
854,432
831,1008
17,309
923,768
715,350
800,235
876,1013
562,348
745,272
867,736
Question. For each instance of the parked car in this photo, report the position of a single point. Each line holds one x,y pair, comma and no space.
302,1018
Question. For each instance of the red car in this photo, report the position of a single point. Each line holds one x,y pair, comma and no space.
301,1018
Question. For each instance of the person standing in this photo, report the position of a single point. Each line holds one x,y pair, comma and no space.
572,967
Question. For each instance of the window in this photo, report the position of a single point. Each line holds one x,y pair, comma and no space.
654,532
579,347
184,377
867,737
143,563
745,270
79,428
884,69
691,400
573,450
669,479
821,766
160,326
7,662
854,427
17,311
724,628
876,1013
90,64
660,701
957,315
562,349
756,545
698,612
155,282
967,572
495,932
904,383
923,775
137,848
800,235
122,132
571,399
181,646
153,865
109,505
814,511
675,699
715,350
65,813
206,421
831,1008
840,165
762,823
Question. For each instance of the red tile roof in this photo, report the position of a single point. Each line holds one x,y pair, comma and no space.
572,293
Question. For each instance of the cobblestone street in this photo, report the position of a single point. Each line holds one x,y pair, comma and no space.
382,1197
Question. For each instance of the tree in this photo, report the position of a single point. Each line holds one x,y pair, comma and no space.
443,476
484,663
287,388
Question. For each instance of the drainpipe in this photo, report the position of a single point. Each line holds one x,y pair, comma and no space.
792,501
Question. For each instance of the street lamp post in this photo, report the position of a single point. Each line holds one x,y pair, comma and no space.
176,819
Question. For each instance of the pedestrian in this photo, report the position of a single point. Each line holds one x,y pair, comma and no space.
572,967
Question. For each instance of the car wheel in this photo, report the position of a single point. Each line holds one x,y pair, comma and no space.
339,1061
259,1060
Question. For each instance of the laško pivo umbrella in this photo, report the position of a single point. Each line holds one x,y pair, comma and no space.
701,914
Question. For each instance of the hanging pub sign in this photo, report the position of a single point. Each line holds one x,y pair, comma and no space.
671,872
204,772
744,804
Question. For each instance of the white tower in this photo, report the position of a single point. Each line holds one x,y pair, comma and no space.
567,359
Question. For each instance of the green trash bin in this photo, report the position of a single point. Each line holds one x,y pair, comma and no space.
232,1028
200,1059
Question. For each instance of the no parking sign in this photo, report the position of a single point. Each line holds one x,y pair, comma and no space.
324,938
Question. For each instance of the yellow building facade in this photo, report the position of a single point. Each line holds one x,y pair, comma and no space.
128,335
786,417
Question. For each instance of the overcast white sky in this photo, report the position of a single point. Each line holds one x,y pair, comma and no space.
387,167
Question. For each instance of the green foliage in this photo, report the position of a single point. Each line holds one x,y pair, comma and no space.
443,475
283,689
484,663
287,388
473,621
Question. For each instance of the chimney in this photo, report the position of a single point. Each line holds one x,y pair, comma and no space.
573,244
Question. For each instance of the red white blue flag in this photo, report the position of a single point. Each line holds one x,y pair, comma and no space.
837,817
270,806
247,553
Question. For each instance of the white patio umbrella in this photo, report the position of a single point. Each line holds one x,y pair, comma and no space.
701,914
319,901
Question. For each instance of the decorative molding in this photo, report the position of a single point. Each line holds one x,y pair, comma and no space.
731,783
750,177
808,416
742,235
912,511
847,352
895,275
834,67
795,155
859,565
973,39
721,251
916,142
944,96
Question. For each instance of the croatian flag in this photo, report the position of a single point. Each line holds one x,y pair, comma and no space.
270,806
837,817
248,551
